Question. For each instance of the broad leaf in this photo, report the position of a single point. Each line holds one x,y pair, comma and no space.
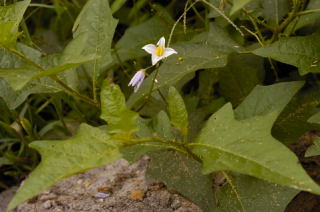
97,22
114,110
302,52
182,174
177,111
89,148
242,73
11,17
314,149
249,194
266,99
247,147
293,122
208,50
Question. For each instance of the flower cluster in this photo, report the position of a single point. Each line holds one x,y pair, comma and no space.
158,52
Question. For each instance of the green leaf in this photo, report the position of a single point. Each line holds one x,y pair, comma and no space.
292,123
162,126
182,174
242,73
249,147
177,110
311,20
117,4
19,77
302,52
314,149
207,50
249,194
238,4
11,17
266,99
315,118
274,10
63,158
97,22
114,111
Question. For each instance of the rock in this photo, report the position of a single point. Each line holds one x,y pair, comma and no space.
49,196
176,203
47,204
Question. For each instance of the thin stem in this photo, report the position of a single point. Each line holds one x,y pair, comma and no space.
254,34
306,12
223,15
177,21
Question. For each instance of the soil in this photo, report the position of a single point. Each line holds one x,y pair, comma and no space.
115,187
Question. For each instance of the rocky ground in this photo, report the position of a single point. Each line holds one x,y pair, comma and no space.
115,187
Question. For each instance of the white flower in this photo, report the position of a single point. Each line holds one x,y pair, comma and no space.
137,79
159,51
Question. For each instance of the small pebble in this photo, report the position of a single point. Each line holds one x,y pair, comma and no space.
102,195
47,204
49,196
136,195
176,203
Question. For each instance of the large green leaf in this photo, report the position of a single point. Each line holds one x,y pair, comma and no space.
97,22
242,73
177,110
249,194
246,146
11,17
266,99
182,174
89,148
302,52
207,50
292,123
115,111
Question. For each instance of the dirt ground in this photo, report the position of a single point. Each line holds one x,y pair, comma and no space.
116,187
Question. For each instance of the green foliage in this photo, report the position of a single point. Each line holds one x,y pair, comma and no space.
244,193
314,149
9,22
61,159
203,112
301,52
114,110
249,149
177,110
182,174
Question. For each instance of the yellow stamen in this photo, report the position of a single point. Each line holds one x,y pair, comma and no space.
159,51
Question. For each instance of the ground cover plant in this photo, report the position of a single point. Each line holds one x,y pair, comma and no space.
213,91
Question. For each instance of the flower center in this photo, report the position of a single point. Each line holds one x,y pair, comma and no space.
159,51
